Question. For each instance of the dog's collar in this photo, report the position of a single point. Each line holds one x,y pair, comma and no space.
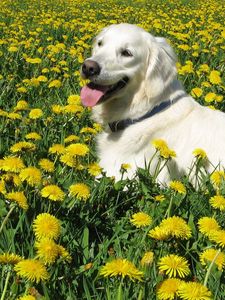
120,125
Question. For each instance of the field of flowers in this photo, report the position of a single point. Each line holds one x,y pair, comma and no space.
65,235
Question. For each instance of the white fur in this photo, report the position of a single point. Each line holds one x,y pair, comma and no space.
185,125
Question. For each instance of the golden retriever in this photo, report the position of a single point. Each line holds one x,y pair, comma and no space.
135,94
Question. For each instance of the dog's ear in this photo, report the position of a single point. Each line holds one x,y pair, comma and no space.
161,70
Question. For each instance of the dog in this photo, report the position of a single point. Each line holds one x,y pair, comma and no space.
135,94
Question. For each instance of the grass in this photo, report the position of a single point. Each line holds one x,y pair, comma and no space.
43,41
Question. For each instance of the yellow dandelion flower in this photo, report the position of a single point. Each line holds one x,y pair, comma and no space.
22,90
77,149
209,255
159,233
35,113
2,187
159,198
199,153
214,77
140,219
64,254
33,136
193,291
147,258
14,116
204,68
12,178
164,151
47,250
74,99
27,297
168,288
121,267
196,92
13,49
176,227
19,198
68,160
21,105
46,165
88,130
208,225
22,146
218,202
178,187
46,226
94,169
10,258
35,60
73,108
217,177
42,78
31,175
12,164
218,236
32,270
71,138
210,97
80,190
174,265
57,109
52,192
56,149
55,84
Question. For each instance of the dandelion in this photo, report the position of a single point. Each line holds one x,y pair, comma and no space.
209,255
178,187
57,109
33,136
27,297
94,169
55,84
31,269
193,291
68,160
218,202
168,288
21,105
207,225
64,253
52,192
214,77
71,138
2,187
121,267
176,227
77,149
35,113
10,258
159,233
46,226
35,60
174,265
12,164
22,146
73,108
46,165
56,149
199,153
163,149
159,198
218,236
147,258
14,116
74,99
31,175
47,250
210,97
80,190
19,198
196,92
217,177
140,219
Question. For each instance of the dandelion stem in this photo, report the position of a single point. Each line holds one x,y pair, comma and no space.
167,214
6,285
120,295
210,267
6,218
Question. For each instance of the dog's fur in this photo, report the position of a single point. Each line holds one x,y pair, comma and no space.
185,125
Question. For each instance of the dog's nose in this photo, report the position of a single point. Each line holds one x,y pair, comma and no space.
90,68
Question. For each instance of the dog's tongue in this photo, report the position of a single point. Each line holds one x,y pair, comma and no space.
91,94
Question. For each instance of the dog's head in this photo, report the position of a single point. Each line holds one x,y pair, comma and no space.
125,59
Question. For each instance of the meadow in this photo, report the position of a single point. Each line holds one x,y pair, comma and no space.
65,235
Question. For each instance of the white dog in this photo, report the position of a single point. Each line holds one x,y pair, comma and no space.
135,94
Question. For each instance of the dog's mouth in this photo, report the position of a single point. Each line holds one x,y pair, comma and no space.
92,94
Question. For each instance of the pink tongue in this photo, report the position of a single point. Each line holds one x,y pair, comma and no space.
91,95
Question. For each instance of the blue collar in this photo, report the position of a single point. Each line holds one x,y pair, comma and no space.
120,125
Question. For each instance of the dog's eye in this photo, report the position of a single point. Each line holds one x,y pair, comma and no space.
126,53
